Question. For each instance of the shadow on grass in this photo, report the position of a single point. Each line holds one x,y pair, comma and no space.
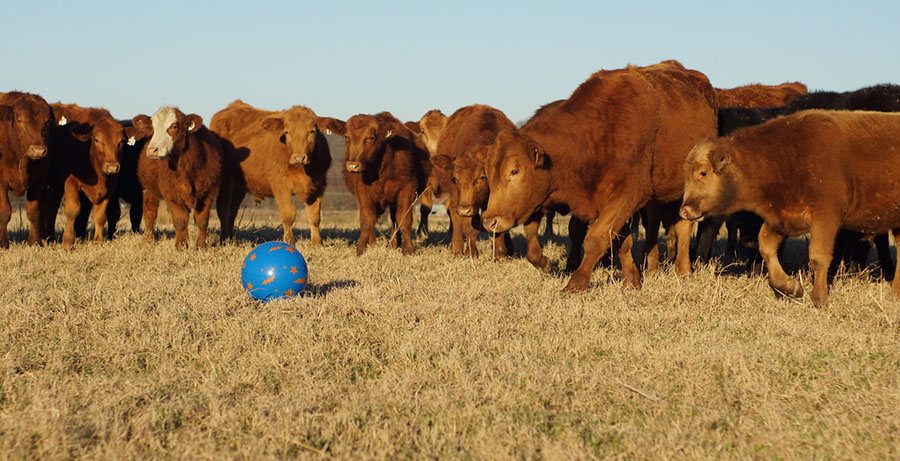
313,290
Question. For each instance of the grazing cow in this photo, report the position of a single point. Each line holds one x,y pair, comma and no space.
459,171
25,121
756,95
814,171
616,144
278,154
182,164
385,168
85,147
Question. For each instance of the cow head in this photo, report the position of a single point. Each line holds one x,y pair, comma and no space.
106,138
366,137
431,126
709,180
518,173
298,128
468,177
30,118
169,129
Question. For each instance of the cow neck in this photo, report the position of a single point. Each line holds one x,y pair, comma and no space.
8,151
748,189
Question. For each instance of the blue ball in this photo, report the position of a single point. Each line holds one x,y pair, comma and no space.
274,270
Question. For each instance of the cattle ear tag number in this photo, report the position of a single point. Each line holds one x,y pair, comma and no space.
388,135
63,121
132,141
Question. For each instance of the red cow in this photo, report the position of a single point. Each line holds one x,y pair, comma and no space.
85,149
616,144
385,169
182,164
25,121
278,154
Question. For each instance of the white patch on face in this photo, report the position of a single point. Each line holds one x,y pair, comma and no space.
162,120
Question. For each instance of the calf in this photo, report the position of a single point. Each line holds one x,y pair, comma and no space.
278,154
182,164
85,146
25,121
814,171
385,169
618,142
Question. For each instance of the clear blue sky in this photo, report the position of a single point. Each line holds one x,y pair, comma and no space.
344,58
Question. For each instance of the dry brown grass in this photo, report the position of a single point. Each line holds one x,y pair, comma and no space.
132,350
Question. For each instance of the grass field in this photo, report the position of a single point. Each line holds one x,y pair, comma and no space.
129,349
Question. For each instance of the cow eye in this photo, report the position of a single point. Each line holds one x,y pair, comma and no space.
312,131
453,180
514,172
483,178
174,126
703,174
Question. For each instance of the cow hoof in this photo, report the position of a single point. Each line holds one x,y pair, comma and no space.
575,285
683,269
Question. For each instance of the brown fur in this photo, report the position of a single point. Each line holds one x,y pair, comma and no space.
459,171
188,179
25,121
814,171
757,95
428,131
85,161
384,168
278,154
618,142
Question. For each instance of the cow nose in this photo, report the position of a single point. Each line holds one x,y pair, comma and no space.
465,210
683,213
37,151
492,225
111,167
153,151
299,159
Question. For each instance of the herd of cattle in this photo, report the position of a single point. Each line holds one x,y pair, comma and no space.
656,144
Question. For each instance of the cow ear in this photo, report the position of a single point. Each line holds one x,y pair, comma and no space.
81,131
194,122
6,113
414,127
273,124
538,155
142,126
443,162
330,125
63,116
719,159
132,134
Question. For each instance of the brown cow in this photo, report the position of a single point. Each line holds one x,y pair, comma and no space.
25,121
278,154
182,164
85,148
467,131
814,171
385,168
428,130
618,142
757,95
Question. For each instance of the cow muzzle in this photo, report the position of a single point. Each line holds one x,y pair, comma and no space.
690,213
36,151
154,153
466,211
111,167
354,167
299,159
496,224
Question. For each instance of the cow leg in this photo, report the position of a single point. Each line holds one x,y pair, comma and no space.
577,231
682,233
234,204
426,202
99,215
180,215
286,210
73,209
650,252
622,244
707,231
821,248
471,234
81,221
404,219
113,213
201,220
895,285
769,241
533,252
223,210
456,226
367,218
151,208
135,212
883,247
598,240
502,244
5,216
314,216
548,231
33,212
49,205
